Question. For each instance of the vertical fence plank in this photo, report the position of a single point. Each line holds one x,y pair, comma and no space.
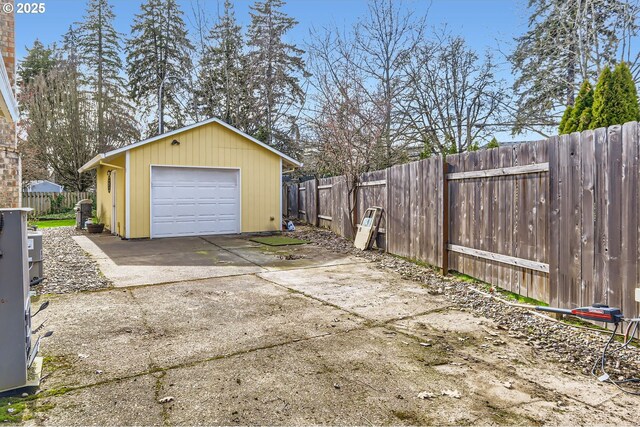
601,226
614,166
444,263
629,217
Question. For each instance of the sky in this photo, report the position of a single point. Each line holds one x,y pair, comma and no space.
485,24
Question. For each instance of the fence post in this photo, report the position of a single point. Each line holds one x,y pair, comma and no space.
445,215
298,195
355,206
317,190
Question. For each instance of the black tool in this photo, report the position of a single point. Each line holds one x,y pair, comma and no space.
43,306
595,312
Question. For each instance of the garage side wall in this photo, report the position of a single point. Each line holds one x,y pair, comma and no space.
103,197
210,145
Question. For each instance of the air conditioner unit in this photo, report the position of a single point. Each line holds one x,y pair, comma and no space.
18,365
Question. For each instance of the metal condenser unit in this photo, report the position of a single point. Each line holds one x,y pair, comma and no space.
34,245
16,351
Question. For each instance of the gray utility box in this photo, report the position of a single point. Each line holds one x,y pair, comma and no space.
34,244
15,307
83,212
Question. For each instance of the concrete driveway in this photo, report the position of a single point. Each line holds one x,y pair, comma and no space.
290,336
151,262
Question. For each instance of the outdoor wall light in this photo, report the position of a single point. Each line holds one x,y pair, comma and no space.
108,181
175,142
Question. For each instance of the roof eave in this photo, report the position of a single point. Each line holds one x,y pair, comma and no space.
92,164
8,103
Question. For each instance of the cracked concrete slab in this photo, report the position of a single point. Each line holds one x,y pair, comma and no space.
361,288
192,321
127,402
300,345
125,332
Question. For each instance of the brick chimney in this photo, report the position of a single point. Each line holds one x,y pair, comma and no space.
10,177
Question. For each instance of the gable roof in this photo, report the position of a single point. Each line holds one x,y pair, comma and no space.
93,163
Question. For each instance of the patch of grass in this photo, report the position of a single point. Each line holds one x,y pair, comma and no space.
11,410
62,215
278,241
54,223
503,293
55,363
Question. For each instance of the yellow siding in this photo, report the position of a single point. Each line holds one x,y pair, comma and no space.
210,145
103,197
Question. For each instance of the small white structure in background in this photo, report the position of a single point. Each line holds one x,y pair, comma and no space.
44,186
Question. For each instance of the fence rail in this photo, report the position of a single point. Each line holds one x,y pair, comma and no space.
48,203
557,220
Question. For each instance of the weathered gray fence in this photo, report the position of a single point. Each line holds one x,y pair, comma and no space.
41,203
556,220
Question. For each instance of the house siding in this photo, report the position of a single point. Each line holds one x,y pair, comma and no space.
103,197
210,145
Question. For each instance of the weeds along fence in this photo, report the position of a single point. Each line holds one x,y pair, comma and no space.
556,220
51,203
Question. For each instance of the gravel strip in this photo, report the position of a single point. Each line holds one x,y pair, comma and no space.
67,267
560,342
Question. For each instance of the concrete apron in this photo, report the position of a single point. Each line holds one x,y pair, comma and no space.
149,262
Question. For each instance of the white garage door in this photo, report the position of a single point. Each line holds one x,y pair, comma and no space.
194,201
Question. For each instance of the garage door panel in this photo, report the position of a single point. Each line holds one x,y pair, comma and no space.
194,201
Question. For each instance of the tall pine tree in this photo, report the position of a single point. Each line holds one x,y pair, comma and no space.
223,90
99,48
158,56
39,60
276,67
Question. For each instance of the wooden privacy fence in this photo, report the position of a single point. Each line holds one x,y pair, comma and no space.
46,203
556,220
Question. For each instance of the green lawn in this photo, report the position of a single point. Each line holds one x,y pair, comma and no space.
55,223
278,241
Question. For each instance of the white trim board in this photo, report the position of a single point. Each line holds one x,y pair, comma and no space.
8,103
127,196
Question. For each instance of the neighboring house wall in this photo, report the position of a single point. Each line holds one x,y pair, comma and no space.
45,187
10,177
104,197
208,145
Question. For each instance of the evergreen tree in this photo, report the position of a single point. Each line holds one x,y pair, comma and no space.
580,116
99,48
158,56
493,143
615,100
627,94
39,60
276,70
223,78
568,42
565,118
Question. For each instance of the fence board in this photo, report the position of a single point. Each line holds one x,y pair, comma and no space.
41,202
574,208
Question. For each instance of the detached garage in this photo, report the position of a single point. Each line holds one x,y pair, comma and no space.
207,178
